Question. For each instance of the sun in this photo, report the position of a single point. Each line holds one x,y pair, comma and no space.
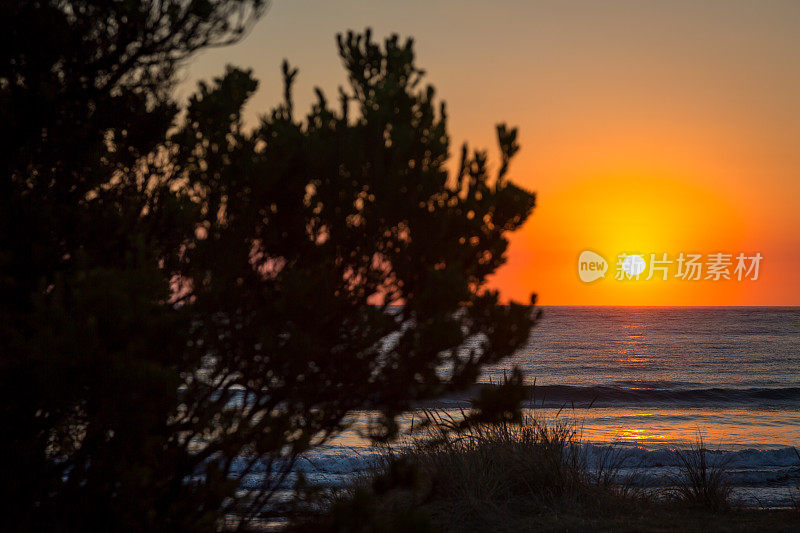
633,265
625,216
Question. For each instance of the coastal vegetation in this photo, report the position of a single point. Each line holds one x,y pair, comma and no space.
532,475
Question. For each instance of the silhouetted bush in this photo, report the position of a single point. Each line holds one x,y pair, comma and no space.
337,264
178,311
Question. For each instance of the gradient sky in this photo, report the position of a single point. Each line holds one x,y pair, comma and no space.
660,127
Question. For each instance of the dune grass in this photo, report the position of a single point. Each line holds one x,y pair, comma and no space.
529,476
702,482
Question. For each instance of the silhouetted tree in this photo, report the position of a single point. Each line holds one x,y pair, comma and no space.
90,229
177,312
338,266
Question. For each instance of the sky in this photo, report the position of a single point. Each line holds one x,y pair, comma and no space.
646,128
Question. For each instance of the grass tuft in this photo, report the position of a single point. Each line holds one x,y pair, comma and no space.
702,483
472,477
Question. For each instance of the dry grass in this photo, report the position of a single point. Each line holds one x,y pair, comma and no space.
702,483
471,477
500,466
531,476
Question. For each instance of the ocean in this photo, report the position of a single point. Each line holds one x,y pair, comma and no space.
646,381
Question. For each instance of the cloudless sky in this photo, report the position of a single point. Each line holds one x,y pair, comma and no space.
646,127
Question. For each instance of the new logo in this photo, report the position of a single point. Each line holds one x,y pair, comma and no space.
591,266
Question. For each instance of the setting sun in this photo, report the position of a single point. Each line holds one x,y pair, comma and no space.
628,212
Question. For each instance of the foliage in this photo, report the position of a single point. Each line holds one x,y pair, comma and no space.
338,265
179,310
90,232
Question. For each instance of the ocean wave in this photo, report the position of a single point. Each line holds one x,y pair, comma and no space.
557,395
753,465
640,457
758,477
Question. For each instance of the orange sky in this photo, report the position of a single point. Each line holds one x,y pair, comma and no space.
661,127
